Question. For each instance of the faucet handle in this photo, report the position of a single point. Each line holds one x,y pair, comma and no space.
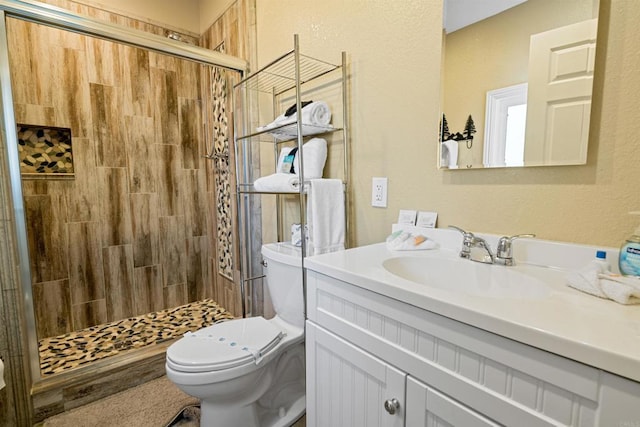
504,251
467,240
464,233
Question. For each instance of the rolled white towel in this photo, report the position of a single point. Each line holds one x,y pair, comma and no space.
315,156
621,289
316,113
278,182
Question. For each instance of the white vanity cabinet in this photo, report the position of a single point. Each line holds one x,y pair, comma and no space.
365,349
351,387
348,385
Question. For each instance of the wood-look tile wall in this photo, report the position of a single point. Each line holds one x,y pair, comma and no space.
83,209
132,233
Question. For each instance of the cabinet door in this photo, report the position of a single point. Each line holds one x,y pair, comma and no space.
347,386
429,408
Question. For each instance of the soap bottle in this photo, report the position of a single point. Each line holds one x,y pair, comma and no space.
629,260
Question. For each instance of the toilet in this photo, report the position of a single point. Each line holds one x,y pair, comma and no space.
250,372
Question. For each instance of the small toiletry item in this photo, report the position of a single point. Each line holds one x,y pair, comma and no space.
418,240
394,235
287,162
427,219
601,260
409,241
296,234
407,217
629,260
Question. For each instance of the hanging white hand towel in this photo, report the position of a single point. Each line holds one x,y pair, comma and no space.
325,216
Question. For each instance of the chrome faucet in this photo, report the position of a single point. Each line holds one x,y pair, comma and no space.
504,252
470,241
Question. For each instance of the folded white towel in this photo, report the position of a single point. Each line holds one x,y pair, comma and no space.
314,154
315,117
279,121
586,279
595,280
325,216
278,182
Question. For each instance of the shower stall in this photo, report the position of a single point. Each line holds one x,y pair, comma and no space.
118,162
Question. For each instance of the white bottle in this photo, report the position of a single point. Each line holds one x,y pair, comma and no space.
601,261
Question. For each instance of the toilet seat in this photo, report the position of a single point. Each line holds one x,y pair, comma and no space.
225,345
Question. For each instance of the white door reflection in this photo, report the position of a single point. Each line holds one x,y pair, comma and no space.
504,136
514,139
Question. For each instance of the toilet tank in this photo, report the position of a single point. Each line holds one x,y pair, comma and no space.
283,272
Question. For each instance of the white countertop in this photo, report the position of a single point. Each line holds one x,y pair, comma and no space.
594,331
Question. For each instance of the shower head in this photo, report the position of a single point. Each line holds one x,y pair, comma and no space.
174,36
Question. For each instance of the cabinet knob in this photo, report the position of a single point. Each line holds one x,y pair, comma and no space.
391,405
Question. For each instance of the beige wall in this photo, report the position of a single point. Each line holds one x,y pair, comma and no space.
394,50
210,10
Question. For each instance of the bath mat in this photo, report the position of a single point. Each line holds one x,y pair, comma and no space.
187,417
151,404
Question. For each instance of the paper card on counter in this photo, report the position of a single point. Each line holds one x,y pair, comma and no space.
407,217
427,219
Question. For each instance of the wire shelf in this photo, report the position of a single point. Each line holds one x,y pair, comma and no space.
289,132
280,75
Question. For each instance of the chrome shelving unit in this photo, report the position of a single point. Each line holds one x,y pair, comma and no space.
287,76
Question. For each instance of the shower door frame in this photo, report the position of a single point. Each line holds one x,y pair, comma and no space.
63,19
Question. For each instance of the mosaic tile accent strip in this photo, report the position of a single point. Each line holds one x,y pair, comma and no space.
222,177
44,150
75,349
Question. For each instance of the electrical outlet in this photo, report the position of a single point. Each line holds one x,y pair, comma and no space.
379,192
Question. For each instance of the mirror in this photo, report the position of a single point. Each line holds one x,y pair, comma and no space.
516,82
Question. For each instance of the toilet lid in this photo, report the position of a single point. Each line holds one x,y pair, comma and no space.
224,345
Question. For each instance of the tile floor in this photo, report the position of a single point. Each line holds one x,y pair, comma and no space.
74,349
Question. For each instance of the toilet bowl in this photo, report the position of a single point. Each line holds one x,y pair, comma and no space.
250,372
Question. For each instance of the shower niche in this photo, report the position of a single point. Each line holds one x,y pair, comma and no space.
45,152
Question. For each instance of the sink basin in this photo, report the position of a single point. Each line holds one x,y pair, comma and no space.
461,275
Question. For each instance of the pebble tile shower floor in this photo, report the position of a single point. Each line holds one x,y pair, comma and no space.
74,349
